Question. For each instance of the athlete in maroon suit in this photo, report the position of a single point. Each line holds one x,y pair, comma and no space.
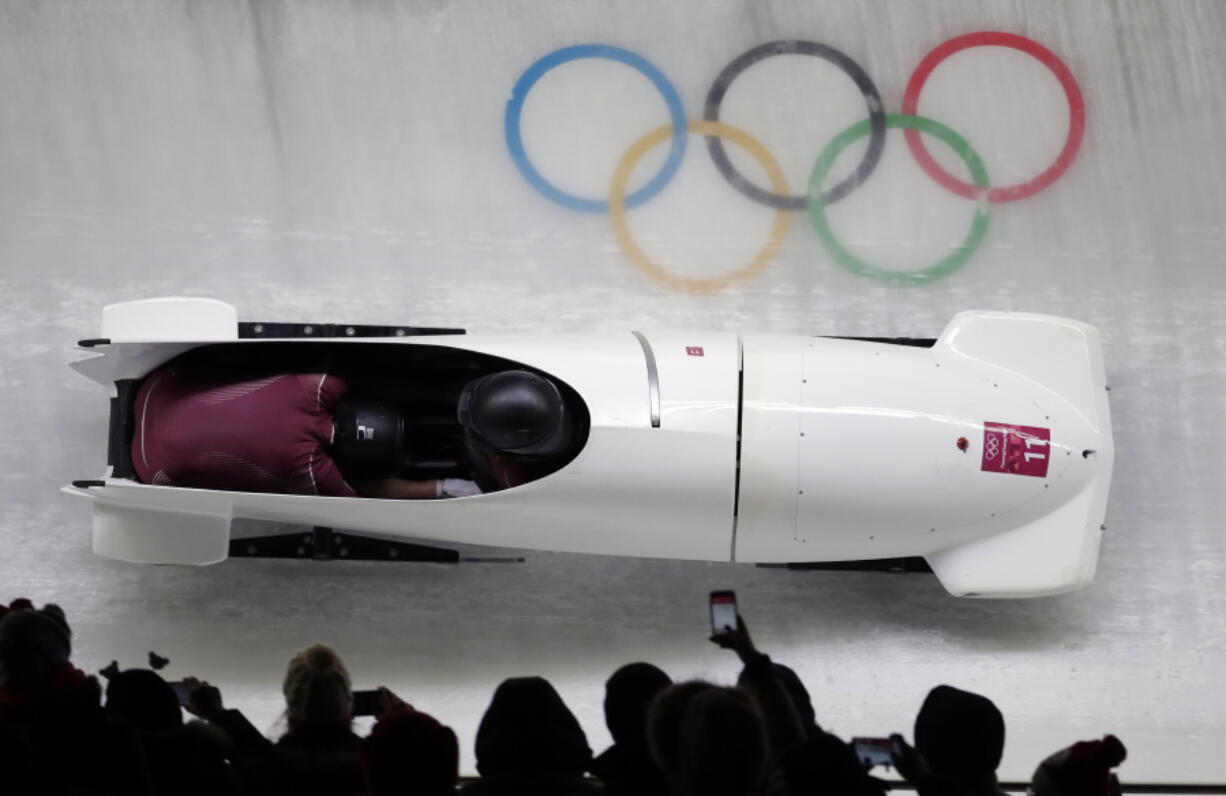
263,435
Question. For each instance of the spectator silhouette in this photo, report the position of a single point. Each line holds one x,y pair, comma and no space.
319,753
959,740
721,746
1083,769
759,678
408,752
529,742
664,720
626,767
803,758
822,763
186,759
55,736
802,703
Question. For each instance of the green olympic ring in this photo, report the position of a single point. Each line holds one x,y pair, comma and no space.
817,208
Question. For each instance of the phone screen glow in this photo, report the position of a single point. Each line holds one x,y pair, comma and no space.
723,615
873,751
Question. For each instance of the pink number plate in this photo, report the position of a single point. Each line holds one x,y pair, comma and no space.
1018,450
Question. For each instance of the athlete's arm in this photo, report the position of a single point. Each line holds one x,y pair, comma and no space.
404,489
398,489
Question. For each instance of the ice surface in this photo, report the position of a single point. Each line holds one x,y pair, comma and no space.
347,162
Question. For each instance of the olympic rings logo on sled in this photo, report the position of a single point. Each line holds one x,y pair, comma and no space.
817,198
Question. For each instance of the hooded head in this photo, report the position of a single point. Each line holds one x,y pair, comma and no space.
628,694
317,691
960,734
142,697
528,729
34,645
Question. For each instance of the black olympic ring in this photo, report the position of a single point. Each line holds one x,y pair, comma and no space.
872,98
816,199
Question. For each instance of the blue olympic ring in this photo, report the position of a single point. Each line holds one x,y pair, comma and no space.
527,80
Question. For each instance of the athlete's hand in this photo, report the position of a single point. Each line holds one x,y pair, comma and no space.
455,487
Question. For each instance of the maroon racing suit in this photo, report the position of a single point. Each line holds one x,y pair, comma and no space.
262,435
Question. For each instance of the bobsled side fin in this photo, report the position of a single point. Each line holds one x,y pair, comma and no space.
160,535
1054,554
1063,355
97,367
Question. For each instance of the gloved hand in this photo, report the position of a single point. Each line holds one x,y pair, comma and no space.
455,487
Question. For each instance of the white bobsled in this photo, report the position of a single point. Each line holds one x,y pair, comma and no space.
987,451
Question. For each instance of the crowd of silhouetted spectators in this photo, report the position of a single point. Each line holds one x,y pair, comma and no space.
63,732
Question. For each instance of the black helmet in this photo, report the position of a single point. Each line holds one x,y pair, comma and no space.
368,440
516,412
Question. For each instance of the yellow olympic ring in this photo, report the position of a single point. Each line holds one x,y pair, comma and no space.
621,227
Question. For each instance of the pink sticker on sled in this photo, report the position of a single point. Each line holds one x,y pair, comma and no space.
1018,450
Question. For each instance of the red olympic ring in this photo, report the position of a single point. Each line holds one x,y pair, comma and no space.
1008,193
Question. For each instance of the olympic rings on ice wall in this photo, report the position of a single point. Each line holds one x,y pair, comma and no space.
817,196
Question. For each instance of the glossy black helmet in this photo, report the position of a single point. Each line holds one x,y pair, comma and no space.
516,412
368,440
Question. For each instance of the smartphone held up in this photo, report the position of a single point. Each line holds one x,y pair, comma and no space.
872,752
723,612
183,692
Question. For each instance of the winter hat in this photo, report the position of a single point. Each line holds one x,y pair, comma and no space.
316,688
1083,769
16,605
34,643
410,752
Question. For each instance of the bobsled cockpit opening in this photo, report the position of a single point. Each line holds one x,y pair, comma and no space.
528,423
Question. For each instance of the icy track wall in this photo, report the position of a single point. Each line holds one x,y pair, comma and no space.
857,168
